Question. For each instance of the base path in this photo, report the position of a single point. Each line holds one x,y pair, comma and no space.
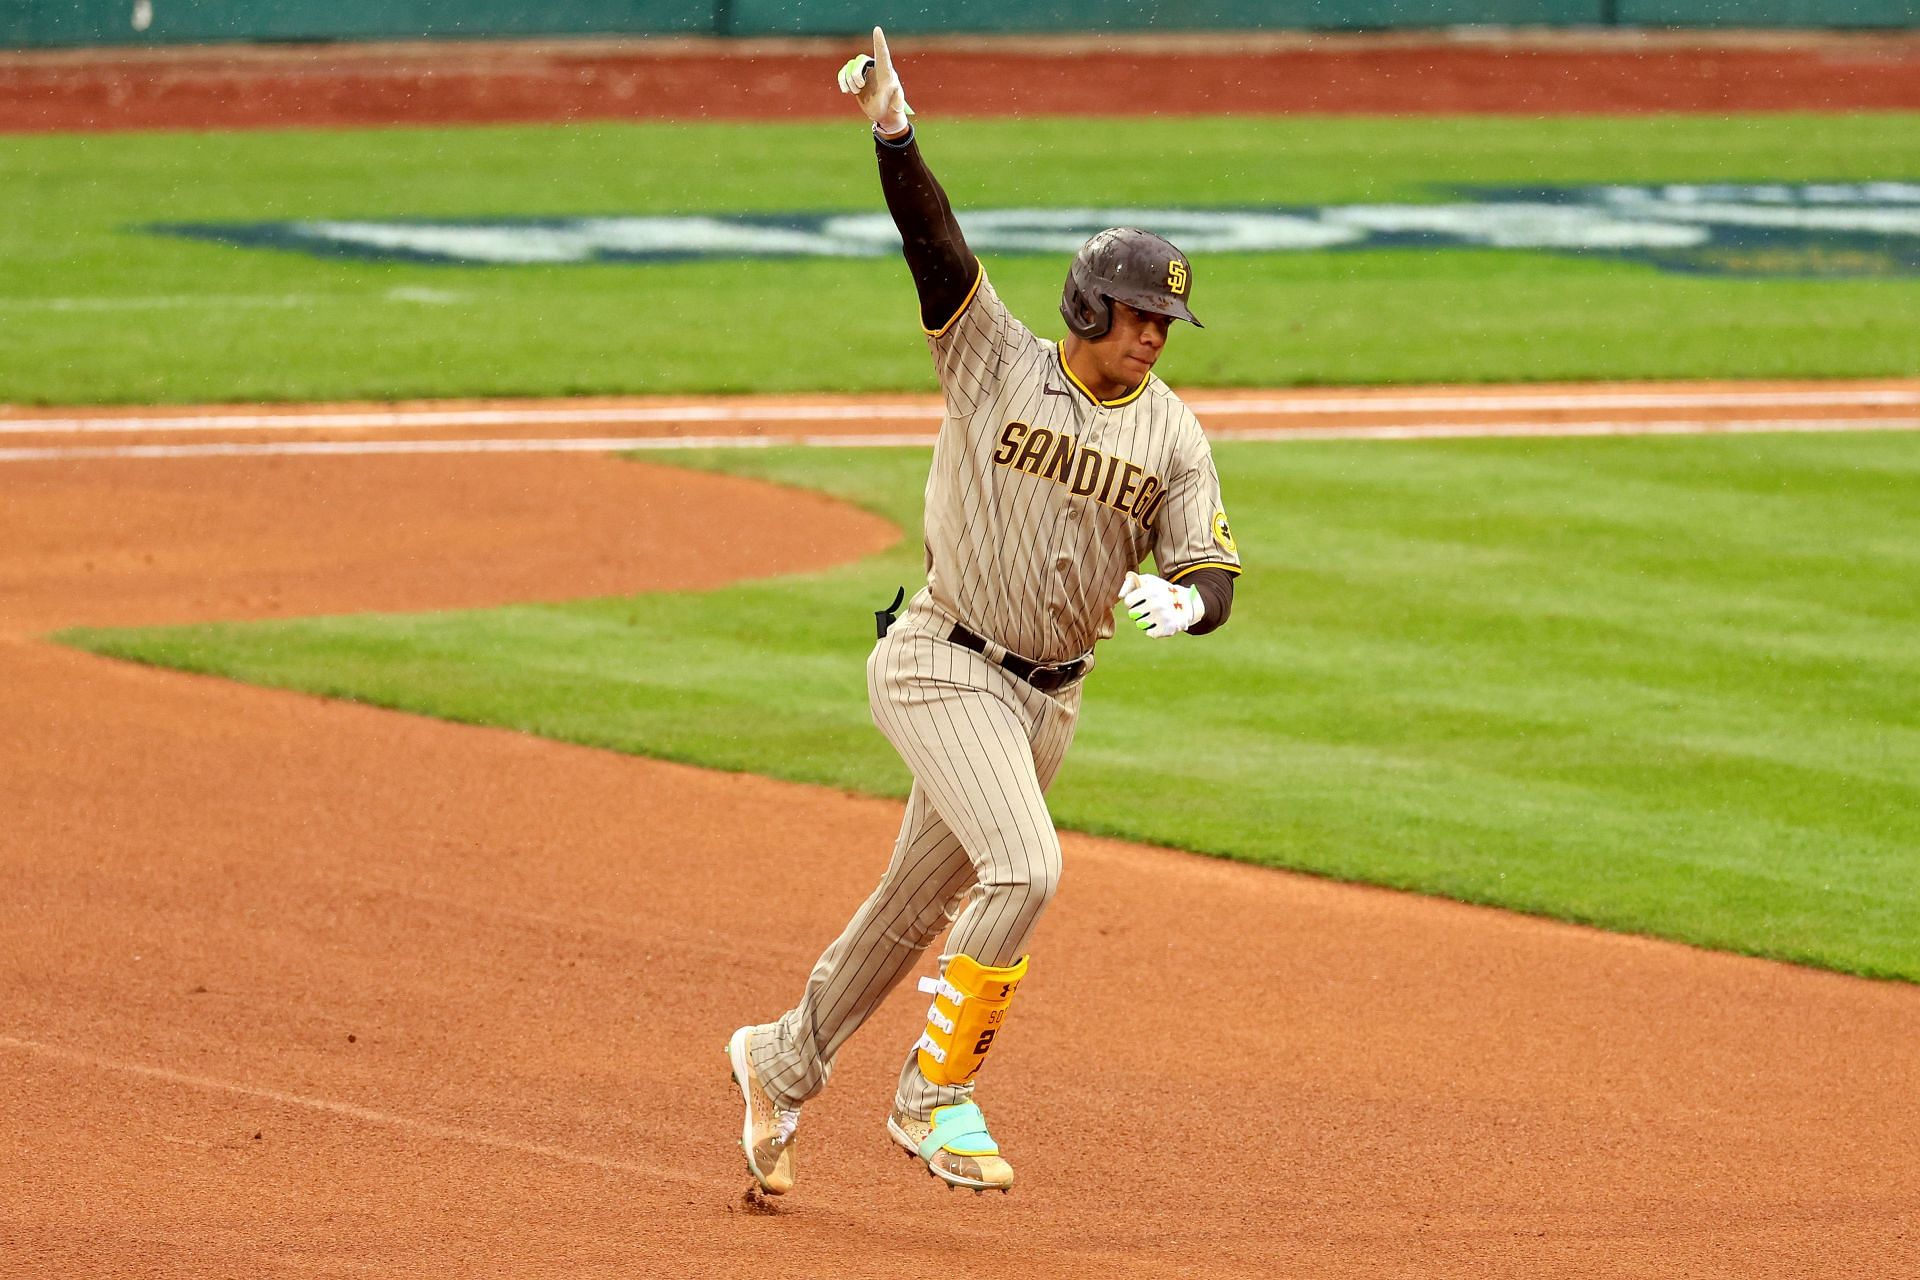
291,986
459,82
604,424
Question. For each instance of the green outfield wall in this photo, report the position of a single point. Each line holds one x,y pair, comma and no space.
53,23
31,23
1766,13
832,17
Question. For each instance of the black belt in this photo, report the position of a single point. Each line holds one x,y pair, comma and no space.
1045,678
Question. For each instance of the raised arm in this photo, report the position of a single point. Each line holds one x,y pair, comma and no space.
944,269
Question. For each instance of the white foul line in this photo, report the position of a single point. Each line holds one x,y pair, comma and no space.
390,419
1626,427
553,415
322,448
620,444
1499,402
432,1128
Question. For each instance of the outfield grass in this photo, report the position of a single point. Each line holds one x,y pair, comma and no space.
94,310
1667,686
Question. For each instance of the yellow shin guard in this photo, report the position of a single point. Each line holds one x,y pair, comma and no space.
968,1006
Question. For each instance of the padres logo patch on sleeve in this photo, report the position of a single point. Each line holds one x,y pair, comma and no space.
1222,534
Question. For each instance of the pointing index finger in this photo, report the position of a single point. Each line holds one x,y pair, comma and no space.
880,54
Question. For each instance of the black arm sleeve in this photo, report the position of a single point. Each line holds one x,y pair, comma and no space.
943,267
1216,595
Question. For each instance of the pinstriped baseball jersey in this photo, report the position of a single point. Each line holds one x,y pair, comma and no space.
1042,497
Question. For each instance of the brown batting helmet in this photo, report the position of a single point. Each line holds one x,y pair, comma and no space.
1125,264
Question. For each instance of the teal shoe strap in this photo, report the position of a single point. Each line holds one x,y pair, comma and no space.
961,1129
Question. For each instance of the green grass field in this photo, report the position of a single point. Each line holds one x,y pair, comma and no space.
93,310
1667,686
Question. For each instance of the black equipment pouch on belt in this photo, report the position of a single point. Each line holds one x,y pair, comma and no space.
884,618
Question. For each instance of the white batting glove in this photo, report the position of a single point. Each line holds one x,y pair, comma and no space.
871,79
1158,607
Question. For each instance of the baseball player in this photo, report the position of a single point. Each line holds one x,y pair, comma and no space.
1059,467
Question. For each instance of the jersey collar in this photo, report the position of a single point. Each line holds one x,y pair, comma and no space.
1060,354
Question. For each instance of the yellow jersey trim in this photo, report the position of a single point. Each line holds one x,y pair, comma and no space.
1233,569
1060,354
954,319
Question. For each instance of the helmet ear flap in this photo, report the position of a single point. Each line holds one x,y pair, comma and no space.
1088,313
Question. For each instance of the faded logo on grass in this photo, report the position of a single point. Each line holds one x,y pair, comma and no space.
1770,229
